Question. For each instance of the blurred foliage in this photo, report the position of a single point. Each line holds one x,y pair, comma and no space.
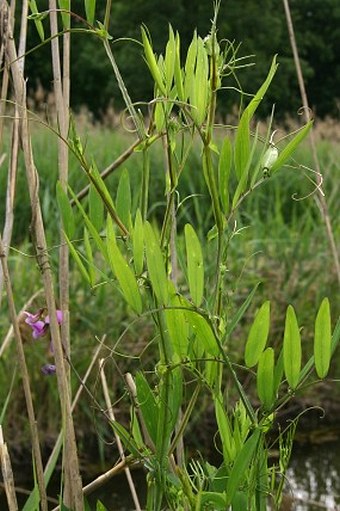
259,26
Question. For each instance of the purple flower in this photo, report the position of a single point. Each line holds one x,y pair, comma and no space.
38,326
48,369
59,317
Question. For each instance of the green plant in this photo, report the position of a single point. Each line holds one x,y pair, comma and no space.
179,282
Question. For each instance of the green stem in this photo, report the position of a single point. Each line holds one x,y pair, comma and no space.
145,184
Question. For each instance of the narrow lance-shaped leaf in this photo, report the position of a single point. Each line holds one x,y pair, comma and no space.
178,74
138,243
169,61
156,266
122,271
96,208
292,348
224,429
204,335
66,211
224,167
78,260
37,19
148,405
65,6
90,9
242,463
89,255
258,335
123,199
242,145
91,228
265,378
322,339
287,152
195,265
152,63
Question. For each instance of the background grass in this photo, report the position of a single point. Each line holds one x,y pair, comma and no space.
280,242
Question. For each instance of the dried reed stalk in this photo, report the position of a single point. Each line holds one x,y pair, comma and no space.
119,443
7,475
26,382
71,465
320,195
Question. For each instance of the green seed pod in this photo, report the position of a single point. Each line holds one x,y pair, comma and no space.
269,158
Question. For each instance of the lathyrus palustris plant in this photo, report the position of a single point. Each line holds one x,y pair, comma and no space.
193,331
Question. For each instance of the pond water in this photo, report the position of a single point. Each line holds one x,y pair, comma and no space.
313,483
314,477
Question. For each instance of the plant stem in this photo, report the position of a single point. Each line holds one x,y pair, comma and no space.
320,197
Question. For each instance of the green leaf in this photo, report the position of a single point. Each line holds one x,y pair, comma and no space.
290,147
177,325
90,9
138,243
242,145
100,506
258,335
65,6
178,74
240,501
91,228
152,63
123,199
122,271
126,438
241,464
200,85
204,335
78,261
217,500
241,311
89,255
195,265
148,405
225,431
96,208
37,20
66,211
278,372
190,67
224,168
169,61
322,339
156,266
292,348
265,378
263,89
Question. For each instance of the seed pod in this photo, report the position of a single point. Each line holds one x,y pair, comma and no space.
269,158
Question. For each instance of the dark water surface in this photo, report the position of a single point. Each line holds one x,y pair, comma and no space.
313,483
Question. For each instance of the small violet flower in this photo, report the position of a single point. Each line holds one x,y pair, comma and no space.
39,325
48,369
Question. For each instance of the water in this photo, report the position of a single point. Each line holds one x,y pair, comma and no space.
313,483
314,477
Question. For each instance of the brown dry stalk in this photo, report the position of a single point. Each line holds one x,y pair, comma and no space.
71,465
25,380
7,475
320,196
13,161
119,443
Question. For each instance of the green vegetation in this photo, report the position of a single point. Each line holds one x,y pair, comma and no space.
259,27
197,275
